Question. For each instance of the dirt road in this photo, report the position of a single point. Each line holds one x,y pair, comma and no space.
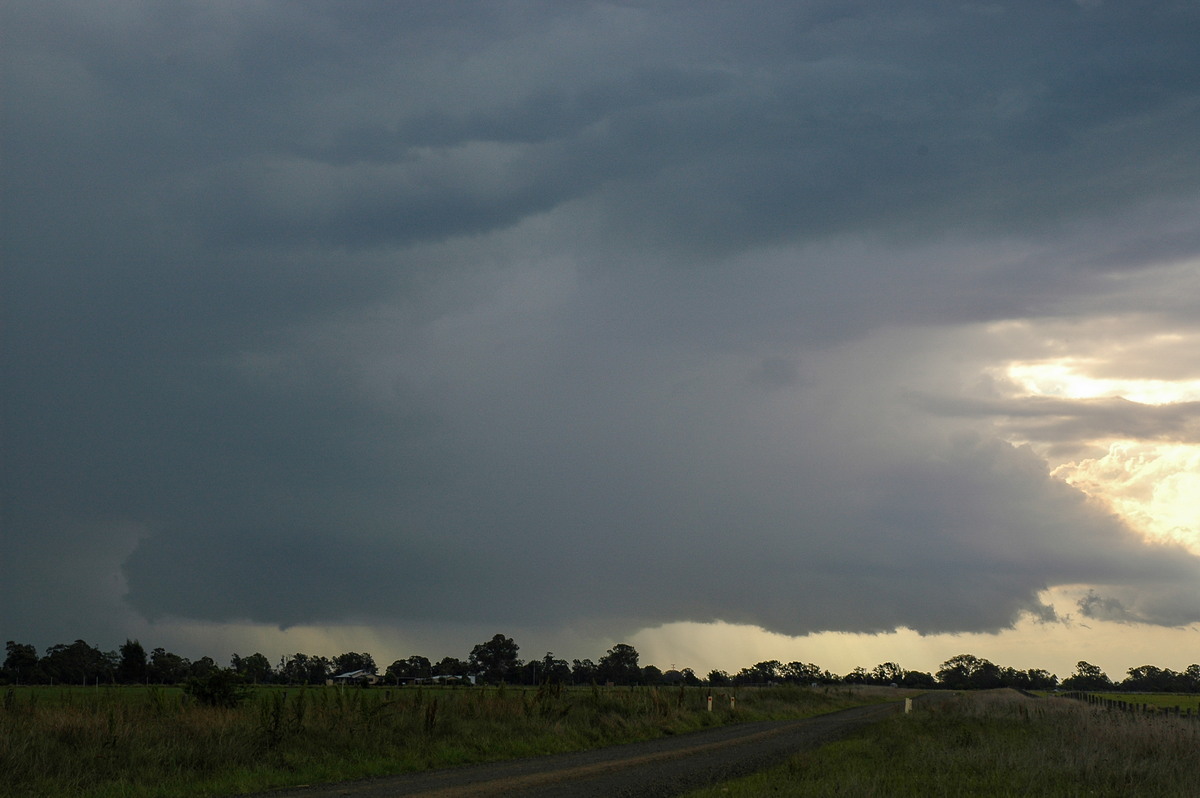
665,767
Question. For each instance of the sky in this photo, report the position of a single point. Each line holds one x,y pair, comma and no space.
840,332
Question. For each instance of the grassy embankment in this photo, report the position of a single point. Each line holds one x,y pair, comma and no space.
996,743
136,742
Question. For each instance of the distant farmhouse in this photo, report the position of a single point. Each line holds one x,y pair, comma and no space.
353,677
362,677
443,679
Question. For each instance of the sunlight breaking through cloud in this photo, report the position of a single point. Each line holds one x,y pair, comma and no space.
1068,378
1156,487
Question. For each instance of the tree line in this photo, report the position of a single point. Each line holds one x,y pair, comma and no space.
496,661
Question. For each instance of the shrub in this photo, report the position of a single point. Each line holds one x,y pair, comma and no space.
221,688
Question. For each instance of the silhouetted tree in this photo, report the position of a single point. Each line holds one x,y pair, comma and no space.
1087,677
968,672
415,667
451,666
255,668
803,673
717,678
21,663
552,669
619,665
887,673
496,660
305,669
133,666
167,668
857,676
217,687
203,667
353,661
919,679
77,663
583,671
1152,679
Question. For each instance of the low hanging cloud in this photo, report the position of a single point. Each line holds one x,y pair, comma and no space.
590,314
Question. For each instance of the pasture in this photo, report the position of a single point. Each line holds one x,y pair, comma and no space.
996,743
1160,701
138,742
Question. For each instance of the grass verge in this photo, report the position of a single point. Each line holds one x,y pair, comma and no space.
995,743
155,743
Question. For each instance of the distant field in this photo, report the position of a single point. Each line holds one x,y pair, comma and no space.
139,742
1184,701
995,743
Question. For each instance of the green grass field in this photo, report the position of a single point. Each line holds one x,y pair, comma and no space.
1184,701
137,742
996,743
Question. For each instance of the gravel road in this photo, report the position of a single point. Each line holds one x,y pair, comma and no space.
665,767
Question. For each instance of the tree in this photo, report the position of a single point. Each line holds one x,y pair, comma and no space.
496,660
304,669
583,671
255,668
415,667
1032,679
968,672
353,661
77,663
167,668
921,679
1087,677
202,668
651,674
620,665
552,669
887,673
718,678
21,663
451,666
857,676
1151,679
760,673
132,666
1040,679
802,673
217,687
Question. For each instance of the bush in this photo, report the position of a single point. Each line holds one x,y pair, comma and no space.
221,688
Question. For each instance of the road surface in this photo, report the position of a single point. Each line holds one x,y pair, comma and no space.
651,769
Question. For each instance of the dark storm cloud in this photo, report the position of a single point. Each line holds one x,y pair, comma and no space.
499,311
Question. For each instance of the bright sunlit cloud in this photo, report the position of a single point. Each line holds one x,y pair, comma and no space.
1068,378
1156,487
1153,485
